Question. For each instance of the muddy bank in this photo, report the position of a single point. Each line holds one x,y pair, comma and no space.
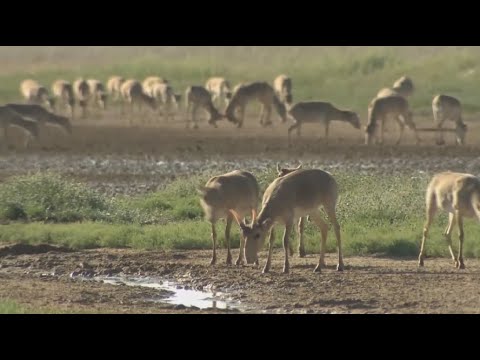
75,280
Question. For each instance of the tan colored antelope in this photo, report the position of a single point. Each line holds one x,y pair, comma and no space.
459,195
220,90
82,94
197,97
385,92
231,195
132,92
63,90
261,91
34,93
149,81
113,86
283,88
9,117
42,116
287,198
319,112
301,222
98,93
380,109
448,108
404,86
165,96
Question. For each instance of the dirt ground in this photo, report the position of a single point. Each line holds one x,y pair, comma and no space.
117,159
41,277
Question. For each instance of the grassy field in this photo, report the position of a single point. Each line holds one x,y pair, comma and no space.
378,215
347,76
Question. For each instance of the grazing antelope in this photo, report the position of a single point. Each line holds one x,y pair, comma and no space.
231,195
292,196
63,90
283,88
113,86
448,108
165,96
149,81
82,93
34,93
220,90
9,117
98,93
42,116
382,108
319,112
459,195
404,86
132,92
197,97
261,91
301,223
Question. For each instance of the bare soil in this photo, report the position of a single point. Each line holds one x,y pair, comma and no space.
118,159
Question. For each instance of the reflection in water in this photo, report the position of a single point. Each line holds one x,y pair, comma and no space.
199,299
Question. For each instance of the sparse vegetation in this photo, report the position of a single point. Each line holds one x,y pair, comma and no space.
377,215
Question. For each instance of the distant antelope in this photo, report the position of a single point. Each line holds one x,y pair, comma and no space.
387,92
292,196
9,117
283,88
261,91
113,86
82,93
448,108
132,92
34,93
319,112
149,81
380,109
231,195
404,86
459,195
165,96
63,90
197,97
220,90
98,93
301,223
44,117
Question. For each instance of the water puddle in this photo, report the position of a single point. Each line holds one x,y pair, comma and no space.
179,295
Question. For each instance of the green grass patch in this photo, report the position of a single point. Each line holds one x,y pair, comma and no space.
377,214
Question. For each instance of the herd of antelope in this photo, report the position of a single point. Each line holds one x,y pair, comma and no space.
158,94
297,193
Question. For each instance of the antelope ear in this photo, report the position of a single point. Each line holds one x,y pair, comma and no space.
299,166
279,169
